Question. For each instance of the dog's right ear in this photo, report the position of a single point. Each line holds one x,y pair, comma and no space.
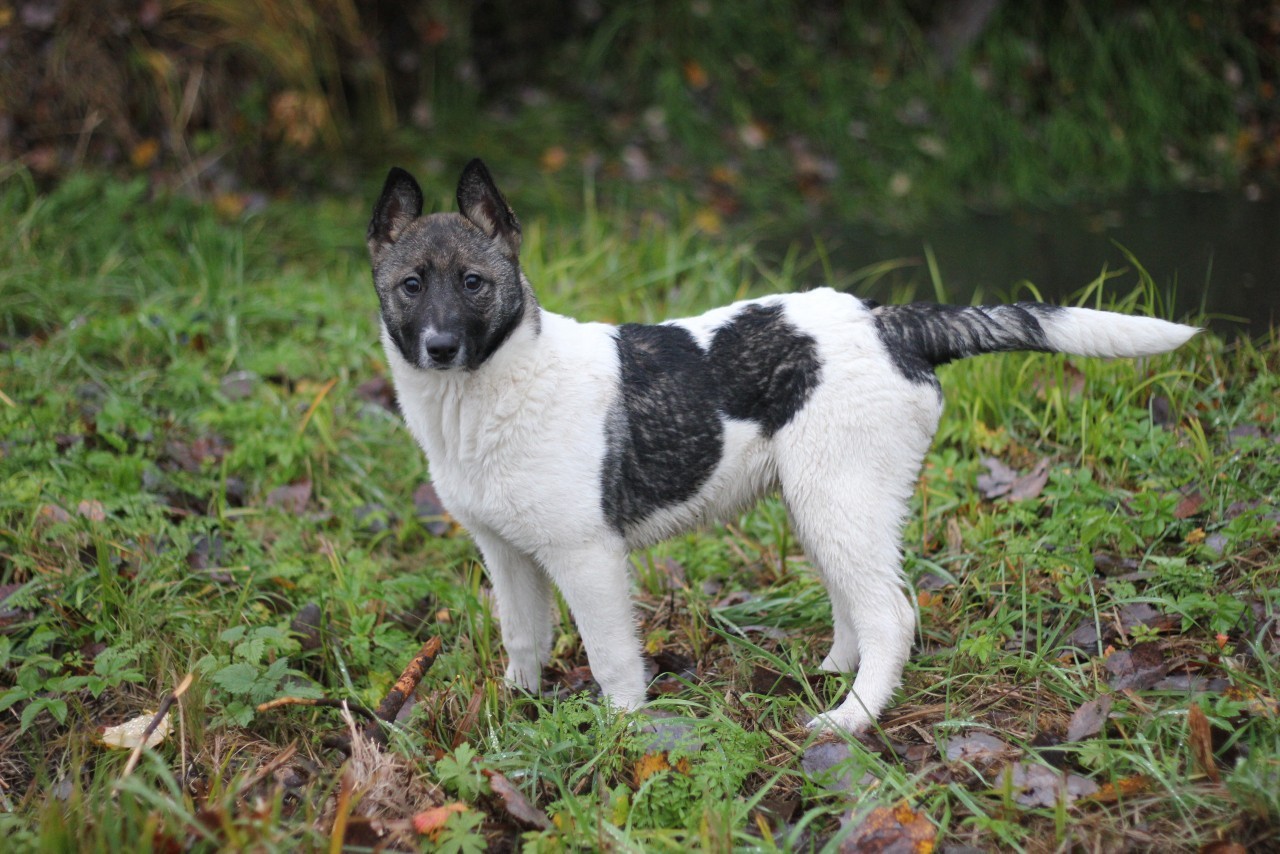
399,205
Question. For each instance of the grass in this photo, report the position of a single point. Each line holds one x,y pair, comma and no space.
166,371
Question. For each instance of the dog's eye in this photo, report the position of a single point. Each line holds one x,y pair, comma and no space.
412,285
472,282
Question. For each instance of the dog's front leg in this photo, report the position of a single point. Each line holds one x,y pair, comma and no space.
523,594
595,583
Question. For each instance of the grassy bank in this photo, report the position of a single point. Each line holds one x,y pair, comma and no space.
203,473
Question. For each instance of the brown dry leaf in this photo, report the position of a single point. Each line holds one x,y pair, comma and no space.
978,748
824,763
516,804
431,822
1189,505
1090,718
1138,668
554,159
1201,739
91,510
292,498
695,75
1003,482
144,153
896,830
1037,786
1224,847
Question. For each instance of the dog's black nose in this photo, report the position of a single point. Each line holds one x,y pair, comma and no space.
442,347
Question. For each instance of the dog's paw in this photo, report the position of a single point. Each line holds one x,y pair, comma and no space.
841,720
525,678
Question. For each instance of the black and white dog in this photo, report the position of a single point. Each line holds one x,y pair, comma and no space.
561,445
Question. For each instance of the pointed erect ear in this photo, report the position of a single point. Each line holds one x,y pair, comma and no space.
399,205
481,203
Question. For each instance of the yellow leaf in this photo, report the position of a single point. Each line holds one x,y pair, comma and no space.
554,159
708,220
144,153
695,75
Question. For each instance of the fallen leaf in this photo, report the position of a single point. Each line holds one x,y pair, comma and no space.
306,627
1112,565
657,762
516,804
554,159
1003,482
128,734
1224,847
1200,736
892,830
431,822
1111,792
1189,505
291,498
430,510
695,75
91,510
1137,669
770,683
826,763
1035,785
1090,718
977,748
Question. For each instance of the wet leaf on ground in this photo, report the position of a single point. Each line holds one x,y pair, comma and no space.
1035,785
1200,737
1004,482
977,748
1137,669
291,498
430,510
1189,505
892,830
516,804
826,763
1088,720
306,626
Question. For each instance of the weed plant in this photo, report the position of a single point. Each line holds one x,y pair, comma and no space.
197,444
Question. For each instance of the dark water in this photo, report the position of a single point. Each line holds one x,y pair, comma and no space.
1215,251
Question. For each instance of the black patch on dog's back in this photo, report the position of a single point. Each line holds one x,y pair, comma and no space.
764,367
666,434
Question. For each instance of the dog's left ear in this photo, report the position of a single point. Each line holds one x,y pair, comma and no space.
399,205
483,205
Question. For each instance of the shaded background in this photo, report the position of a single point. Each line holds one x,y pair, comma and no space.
1012,140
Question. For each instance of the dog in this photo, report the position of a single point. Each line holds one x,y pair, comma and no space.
562,446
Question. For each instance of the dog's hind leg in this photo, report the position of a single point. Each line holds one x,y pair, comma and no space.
523,594
860,563
849,493
596,585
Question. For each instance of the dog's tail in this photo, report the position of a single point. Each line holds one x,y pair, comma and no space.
937,334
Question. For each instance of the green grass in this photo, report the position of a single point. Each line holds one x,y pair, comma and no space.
163,370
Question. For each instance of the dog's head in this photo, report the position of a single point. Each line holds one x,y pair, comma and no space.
449,284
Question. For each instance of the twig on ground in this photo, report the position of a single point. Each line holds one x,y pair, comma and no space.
165,705
324,702
403,689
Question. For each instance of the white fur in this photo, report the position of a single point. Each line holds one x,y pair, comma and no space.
516,449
